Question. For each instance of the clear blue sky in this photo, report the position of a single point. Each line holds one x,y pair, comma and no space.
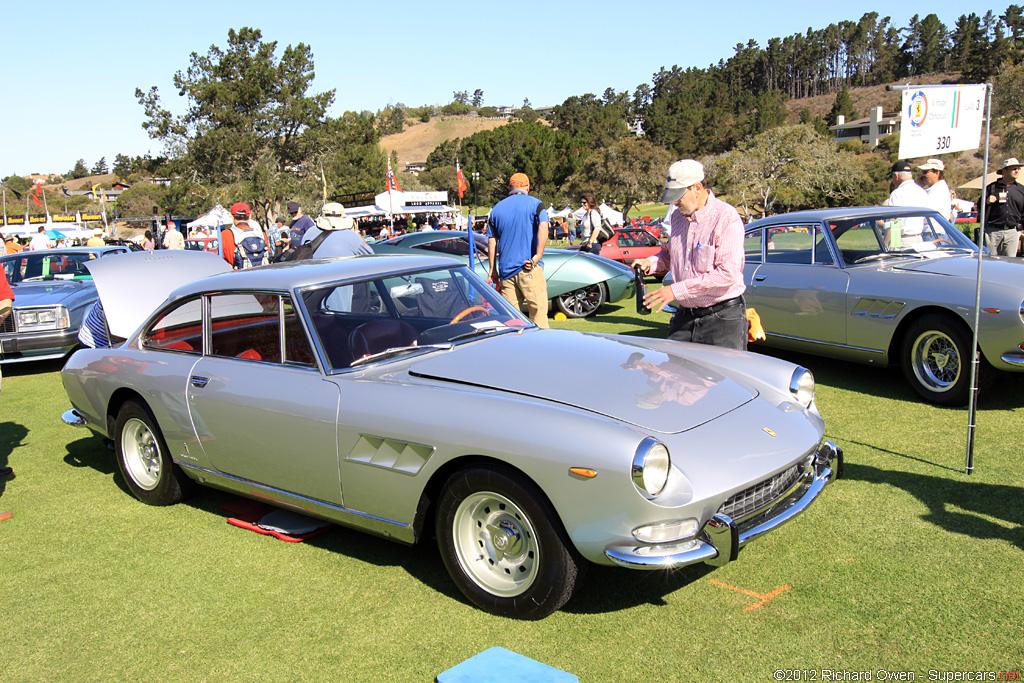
71,68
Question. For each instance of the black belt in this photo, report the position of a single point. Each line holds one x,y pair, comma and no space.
713,308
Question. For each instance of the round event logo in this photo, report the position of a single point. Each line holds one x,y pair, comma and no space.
918,110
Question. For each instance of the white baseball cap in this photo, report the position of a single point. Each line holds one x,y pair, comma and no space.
933,165
681,175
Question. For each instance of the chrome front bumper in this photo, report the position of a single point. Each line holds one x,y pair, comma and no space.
721,538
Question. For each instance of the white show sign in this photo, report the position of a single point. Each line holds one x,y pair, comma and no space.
940,120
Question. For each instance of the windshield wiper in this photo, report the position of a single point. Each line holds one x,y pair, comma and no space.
481,331
397,351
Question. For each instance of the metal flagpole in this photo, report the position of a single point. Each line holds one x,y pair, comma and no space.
975,354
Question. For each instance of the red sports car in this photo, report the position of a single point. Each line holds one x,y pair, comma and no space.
630,244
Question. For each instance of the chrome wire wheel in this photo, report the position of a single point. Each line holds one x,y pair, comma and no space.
496,544
141,454
936,360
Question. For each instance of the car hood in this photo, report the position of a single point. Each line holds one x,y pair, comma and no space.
48,293
133,285
993,269
654,390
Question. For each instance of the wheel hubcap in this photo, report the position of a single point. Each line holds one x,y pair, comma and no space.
496,544
141,454
582,301
936,360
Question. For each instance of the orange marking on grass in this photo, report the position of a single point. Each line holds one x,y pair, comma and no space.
763,598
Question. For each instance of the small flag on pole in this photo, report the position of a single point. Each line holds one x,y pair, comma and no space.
390,181
460,180
36,194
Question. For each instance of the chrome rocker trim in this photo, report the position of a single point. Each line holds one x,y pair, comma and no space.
720,540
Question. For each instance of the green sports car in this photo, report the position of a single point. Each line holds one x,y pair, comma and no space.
578,283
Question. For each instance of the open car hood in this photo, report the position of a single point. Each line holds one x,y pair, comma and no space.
653,390
133,285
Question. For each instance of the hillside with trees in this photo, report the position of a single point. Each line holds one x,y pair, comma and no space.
253,130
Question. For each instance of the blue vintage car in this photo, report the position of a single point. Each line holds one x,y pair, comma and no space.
53,290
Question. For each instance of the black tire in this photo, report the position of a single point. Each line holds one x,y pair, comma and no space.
504,546
582,302
143,458
936,359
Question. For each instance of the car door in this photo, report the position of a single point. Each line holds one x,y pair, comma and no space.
794,283
635,244
260,407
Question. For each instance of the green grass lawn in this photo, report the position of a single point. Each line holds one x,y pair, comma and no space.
907,564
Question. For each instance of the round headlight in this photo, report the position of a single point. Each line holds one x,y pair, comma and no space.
802,386
651,465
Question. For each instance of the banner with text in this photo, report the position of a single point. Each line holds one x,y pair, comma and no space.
937,120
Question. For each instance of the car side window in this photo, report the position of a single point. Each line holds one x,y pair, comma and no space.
296,345
858,240
789,244
822,256
180,329
752,246
246,326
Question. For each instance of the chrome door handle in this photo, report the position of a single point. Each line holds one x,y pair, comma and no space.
199,382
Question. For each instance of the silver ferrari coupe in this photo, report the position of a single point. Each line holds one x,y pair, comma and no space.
402,396
886,286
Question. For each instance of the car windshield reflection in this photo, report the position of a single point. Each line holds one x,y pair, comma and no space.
391,317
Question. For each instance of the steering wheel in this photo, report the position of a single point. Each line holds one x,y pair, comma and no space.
466,312
941,240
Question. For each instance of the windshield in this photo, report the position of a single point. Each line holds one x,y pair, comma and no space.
370,320
33,266
456,245
861,240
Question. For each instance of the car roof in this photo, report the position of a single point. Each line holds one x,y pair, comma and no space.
302,274
71,250
820,215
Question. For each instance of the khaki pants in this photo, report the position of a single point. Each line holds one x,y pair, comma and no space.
528,286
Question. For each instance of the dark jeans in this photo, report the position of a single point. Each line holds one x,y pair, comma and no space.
727,327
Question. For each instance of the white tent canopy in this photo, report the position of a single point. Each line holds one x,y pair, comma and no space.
611,215
212,219
69,230
412,202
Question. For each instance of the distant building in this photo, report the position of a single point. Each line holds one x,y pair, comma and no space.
416,167
506,111
870,130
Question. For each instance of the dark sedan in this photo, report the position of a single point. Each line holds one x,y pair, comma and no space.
53,291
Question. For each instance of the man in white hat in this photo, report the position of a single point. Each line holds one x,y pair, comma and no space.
1004,209
933,181
342,240
705,256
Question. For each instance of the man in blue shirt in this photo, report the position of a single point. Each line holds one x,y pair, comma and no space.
300,223
517,232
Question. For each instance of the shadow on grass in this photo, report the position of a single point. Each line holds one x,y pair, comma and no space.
975,502
605,589
33,368
611,589
11,436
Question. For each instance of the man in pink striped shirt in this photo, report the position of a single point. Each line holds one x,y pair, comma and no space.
705,256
